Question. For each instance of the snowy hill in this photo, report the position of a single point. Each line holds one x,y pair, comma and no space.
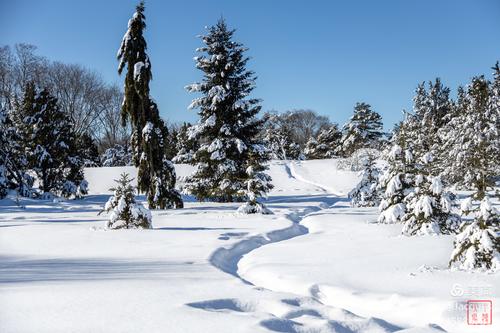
316,265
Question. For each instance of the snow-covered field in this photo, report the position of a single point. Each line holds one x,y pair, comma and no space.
316,265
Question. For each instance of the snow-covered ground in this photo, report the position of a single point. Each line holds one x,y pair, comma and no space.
316,265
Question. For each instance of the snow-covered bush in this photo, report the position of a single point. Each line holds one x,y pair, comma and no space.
366,193
477,247
125,212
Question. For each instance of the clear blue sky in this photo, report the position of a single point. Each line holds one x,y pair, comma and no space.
321,55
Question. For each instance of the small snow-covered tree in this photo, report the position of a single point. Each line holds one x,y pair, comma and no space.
396,184
258,182
367,193
429,205
325,145
156,174
186,147
477,247
125,212
228,128
364,130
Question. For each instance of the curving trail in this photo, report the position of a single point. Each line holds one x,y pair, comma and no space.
302,314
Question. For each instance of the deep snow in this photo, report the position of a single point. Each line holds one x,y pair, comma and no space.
316,265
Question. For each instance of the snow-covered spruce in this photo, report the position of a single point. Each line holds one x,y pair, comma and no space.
258,183
364,130
397,185
228,128
429,206
124,212
477,247
50,144
326,144
367,193
472,137
156,174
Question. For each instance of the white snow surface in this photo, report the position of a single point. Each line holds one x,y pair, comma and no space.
314,265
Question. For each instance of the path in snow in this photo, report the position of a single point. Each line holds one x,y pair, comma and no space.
308,313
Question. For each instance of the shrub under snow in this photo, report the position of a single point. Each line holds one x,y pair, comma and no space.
125,212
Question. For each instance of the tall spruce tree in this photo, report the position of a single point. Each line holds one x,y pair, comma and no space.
472,143
156,174
364,130
432,109
228,127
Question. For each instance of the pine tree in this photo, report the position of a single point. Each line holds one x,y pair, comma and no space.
429,205
50,144
258,183
364,130
88,151
186,146
477,247
126,212
396,184
326,145
227,128
366,193
432,110
156,174
473,142
13,162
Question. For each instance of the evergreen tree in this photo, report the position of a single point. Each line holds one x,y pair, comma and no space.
429,206
126,212
364,130
156,174
88,151
397,184
366,193
118,155
325,145
473,144
50,144
13,162
477,247
432,110
258,183
186,147
227,128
